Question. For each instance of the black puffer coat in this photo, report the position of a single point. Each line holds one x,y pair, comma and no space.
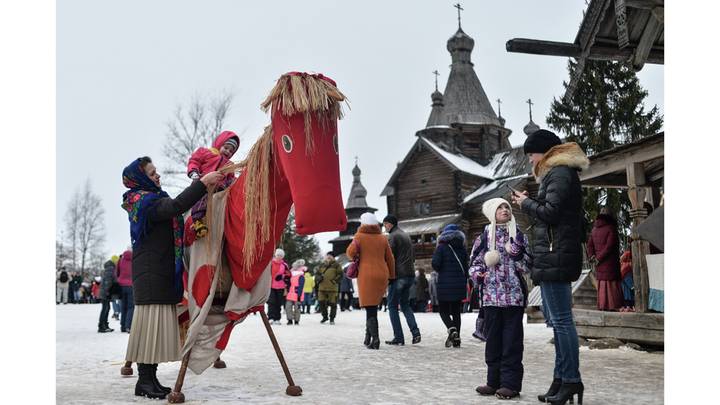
153,262
108,279
452,276
557,211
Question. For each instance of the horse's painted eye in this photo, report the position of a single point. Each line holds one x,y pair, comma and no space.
287,143
335,144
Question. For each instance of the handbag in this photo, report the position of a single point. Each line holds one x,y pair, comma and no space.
354,267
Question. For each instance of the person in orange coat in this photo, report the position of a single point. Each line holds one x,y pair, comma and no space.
377,266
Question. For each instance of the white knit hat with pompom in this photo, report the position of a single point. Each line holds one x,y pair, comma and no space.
489,208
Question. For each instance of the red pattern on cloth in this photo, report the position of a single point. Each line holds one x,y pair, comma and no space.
202,283
225,337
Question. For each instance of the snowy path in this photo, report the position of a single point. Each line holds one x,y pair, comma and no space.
333,367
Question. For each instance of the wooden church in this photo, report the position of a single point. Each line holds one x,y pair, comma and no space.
461,158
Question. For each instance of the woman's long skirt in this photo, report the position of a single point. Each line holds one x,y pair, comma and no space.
154,335
609,295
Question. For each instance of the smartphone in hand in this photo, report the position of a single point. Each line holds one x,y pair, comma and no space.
513,190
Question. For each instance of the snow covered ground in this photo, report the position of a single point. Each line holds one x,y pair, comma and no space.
333,367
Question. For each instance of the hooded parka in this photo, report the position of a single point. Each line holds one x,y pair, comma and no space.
558,215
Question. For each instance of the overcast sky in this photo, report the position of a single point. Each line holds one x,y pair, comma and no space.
122,67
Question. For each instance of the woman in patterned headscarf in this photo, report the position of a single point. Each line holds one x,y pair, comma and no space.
156,227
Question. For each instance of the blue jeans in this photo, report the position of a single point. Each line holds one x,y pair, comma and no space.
115,306
557,308
399,293
127,307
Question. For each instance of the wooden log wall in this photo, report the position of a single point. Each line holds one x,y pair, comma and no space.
425,178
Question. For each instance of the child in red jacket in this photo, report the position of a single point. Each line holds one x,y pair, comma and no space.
205,160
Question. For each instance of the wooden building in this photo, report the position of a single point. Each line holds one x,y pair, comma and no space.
460,158
628,31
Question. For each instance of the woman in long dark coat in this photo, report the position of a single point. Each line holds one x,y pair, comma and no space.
604,246
156,226
450,260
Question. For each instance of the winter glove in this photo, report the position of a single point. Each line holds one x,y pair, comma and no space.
279,277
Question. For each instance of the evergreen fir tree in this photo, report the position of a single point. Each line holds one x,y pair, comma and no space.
299,246
606,110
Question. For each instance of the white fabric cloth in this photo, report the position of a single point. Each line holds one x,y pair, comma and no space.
208,322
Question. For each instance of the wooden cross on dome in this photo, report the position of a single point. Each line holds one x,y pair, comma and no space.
435,72
459,8
530,104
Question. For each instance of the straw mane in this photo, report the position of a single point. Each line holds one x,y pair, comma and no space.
293,94
307,95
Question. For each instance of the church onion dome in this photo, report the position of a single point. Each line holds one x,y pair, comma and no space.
530,128
437,98
460,42
356,171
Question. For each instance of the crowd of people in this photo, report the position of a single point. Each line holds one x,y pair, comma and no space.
146,280
112,289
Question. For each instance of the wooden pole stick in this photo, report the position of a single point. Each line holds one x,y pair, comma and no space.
176,396
292,389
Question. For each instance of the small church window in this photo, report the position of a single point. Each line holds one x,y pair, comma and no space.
423,207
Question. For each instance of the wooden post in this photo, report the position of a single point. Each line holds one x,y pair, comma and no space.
292,389
176,396
640,248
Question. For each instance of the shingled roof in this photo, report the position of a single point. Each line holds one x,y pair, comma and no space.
464,99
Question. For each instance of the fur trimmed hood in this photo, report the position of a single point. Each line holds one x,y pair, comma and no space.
567,154
452,237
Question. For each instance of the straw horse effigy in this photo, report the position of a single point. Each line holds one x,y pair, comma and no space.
295,162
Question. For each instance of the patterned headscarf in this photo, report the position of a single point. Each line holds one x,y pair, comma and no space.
138,201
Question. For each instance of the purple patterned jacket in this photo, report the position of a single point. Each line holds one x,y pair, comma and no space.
501,286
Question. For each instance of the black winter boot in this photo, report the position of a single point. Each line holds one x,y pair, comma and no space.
452,335
374,334
145,386
552,391
566,393
367,336
157,383
104,328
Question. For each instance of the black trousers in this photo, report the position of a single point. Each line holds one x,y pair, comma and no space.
104,310
450,313
504,347
345,300
275,303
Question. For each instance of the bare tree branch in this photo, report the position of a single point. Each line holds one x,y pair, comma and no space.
193,126
85,228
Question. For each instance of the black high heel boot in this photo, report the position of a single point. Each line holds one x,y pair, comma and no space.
367,336
374,334
553,390
567,392
159,386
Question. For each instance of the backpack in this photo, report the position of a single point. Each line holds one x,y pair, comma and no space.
63,276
